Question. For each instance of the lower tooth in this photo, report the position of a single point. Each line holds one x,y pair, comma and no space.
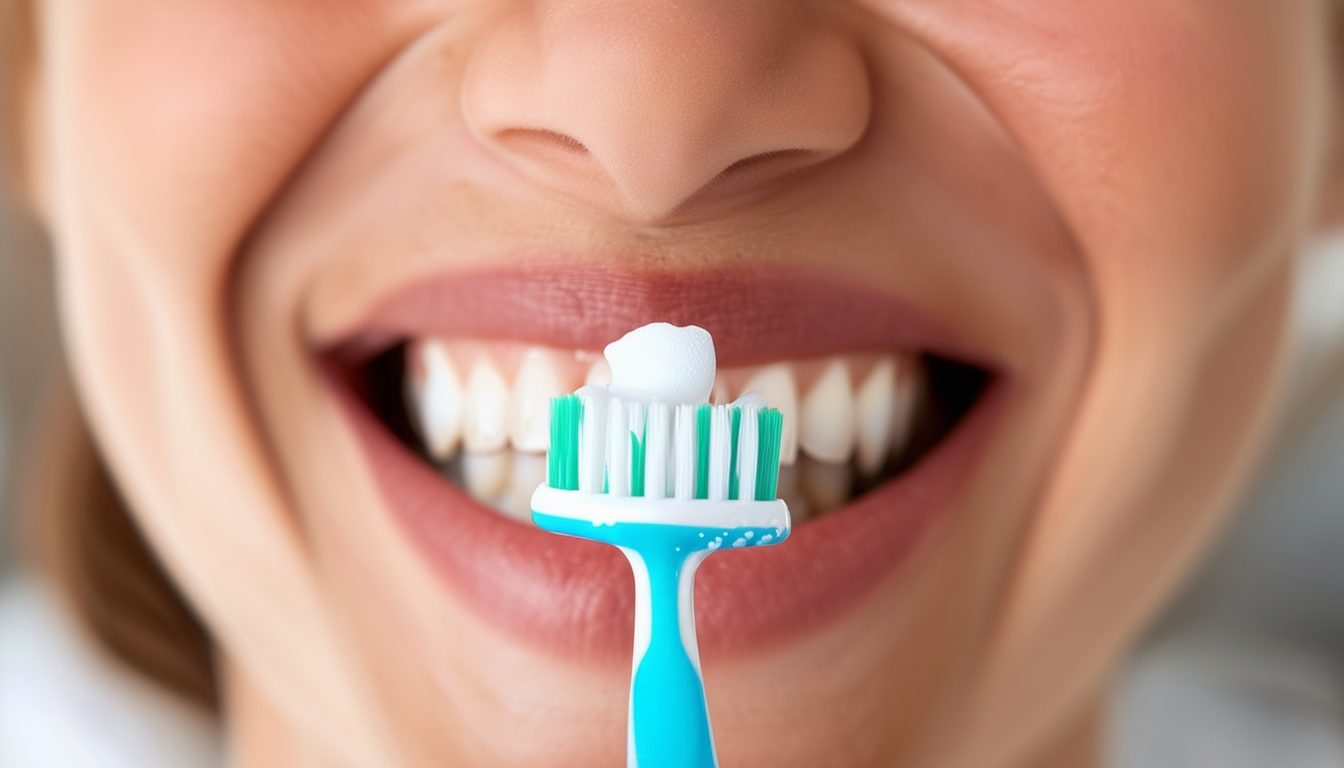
526,473
826,486
485,475
799,509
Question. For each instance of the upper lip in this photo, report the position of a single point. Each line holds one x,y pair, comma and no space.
755,316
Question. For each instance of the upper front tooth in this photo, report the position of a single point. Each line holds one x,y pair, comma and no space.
435,392
530,407
876,402
720,394
485,427
775,383
827,422
599,375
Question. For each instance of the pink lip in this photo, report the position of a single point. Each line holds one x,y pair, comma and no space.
575,598
753,317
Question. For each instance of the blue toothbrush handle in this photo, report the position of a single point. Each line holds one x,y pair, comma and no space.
669,719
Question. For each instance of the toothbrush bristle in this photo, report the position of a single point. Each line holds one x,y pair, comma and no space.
562,466
593,442
720,428
684,471
734,487
605,445
702,421
748,447
638,443
618,448
767,474
655,452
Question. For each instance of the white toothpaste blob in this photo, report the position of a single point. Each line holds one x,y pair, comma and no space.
662,363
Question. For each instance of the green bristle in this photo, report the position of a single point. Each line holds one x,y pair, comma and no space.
637,442
771,429
562,460
736,416
702,419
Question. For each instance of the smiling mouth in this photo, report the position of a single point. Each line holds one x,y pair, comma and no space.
446,385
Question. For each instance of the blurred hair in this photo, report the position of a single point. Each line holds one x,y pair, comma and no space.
17,59
76,531
81,537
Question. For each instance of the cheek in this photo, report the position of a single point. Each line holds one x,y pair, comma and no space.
183,119
1173,134
170,126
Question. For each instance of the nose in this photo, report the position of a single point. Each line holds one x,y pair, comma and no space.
647,104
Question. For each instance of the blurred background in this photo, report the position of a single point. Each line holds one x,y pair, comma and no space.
1245,669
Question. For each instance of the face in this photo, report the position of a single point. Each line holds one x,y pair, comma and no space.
1015,273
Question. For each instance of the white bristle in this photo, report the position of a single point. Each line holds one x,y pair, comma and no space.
618,449
746,452
592,442
655,452
720,451
684,478
634,431
670,487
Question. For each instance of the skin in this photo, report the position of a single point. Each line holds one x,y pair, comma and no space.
1100,198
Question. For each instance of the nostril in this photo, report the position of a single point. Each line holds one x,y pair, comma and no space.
550,154
540,140
754,173
784,159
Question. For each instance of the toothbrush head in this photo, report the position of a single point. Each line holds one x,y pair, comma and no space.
637,452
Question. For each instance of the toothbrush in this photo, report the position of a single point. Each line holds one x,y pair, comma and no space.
647,465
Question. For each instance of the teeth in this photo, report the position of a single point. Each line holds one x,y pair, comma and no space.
720,394
827,422
486,426
528,471
485,475
599,375
799,507
833,424
775,383
435,393
825,486
530,404
905,401
877,418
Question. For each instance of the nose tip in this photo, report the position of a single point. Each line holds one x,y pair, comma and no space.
644,104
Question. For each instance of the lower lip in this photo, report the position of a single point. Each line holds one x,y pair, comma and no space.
575,598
